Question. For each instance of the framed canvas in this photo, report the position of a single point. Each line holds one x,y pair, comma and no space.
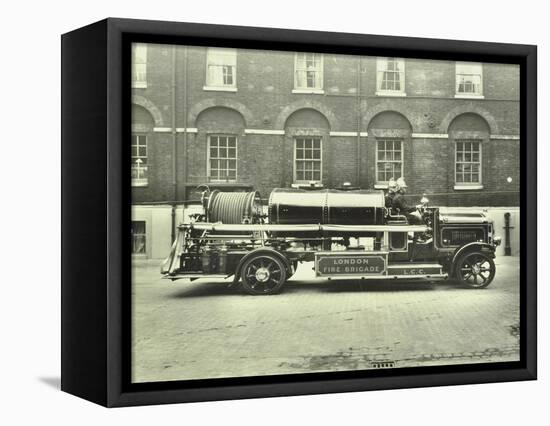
255,212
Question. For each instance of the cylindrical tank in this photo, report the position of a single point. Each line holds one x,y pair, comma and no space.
328,206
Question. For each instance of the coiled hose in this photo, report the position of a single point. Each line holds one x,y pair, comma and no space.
233,207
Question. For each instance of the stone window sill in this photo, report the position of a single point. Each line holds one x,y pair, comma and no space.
307,185
309,91
466,96
461,187
219,89
391,94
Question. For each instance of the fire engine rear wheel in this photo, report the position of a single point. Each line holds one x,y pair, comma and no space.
475,270
263,274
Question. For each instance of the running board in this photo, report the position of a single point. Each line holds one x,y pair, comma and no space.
195,276
416,270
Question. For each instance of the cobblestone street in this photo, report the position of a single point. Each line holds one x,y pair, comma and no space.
184,330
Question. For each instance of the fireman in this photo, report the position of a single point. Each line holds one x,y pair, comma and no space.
388,198
399,203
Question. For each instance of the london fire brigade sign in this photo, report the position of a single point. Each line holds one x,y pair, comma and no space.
350,265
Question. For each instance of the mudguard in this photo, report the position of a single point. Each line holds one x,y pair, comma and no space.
473,246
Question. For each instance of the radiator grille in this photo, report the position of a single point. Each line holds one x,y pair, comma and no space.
456,237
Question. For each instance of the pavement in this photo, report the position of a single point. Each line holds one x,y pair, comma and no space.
202,329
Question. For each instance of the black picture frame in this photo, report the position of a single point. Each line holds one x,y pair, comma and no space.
96,212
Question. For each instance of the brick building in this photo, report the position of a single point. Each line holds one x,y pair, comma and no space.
241,119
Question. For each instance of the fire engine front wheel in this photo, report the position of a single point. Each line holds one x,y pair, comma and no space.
263,274
475,270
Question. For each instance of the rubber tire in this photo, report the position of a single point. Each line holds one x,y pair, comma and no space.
458,270
248,286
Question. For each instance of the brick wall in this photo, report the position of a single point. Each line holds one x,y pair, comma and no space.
264,100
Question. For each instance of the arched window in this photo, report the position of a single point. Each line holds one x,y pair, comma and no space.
309,130
468,132
142,127
390,131
222,127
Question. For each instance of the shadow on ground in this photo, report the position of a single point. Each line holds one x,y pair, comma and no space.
54,382
206,289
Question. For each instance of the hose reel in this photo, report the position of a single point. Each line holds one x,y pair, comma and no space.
233,207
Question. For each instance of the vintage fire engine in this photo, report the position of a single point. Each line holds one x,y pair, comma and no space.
347,234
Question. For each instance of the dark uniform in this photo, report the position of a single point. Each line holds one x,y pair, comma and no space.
400,205
388,199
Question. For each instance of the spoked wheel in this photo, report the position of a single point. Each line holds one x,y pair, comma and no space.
475,270
263,274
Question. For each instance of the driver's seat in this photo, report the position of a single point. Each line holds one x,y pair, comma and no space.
395,219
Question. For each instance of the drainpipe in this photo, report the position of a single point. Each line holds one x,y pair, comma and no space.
185,124
358,164
174,144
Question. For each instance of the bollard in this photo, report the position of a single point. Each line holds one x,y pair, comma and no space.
507,227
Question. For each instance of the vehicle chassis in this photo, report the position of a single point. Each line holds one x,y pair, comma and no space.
264,256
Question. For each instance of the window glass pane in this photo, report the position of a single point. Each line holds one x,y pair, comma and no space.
139,63
469,78
468,165
139,169
389,159
308,71
223,164
138,236
390,74
221,66
308,159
